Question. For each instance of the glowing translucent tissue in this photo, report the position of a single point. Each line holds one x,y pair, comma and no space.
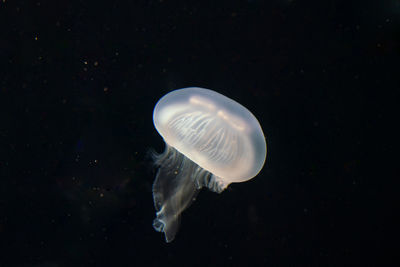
211,141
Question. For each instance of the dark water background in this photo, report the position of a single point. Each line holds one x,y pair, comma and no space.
78,83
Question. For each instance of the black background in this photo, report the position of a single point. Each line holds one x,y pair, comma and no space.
79,80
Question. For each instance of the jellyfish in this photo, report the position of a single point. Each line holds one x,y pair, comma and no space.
210,141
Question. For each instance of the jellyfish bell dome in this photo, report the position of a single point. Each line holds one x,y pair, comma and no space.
214,131
211,141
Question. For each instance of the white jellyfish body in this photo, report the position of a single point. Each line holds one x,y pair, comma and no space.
211,141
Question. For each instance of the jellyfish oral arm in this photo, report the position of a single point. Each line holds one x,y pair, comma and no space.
173,191
176,186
